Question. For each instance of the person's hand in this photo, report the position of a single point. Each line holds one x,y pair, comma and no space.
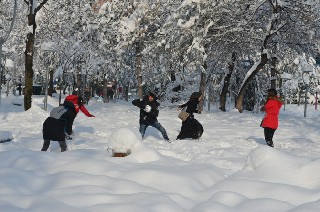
148,108
68,137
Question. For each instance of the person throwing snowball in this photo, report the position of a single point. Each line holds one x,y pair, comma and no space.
148,114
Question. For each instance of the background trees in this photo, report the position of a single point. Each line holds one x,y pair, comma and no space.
231,51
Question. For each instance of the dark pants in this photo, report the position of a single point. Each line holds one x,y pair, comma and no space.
46,144
268,135
156,125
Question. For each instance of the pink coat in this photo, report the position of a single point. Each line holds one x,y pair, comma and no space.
272,108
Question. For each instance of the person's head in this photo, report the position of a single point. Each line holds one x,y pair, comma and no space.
80,101
151,96
196,96
75,92
272,92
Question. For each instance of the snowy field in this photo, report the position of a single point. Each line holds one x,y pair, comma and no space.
230,169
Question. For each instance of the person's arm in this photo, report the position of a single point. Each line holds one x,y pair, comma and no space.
182,106
85,111
264,107
154,112
138,103
192,107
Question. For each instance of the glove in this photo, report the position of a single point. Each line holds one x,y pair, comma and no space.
68,137
148,108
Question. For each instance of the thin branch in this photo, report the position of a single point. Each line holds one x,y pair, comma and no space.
40,6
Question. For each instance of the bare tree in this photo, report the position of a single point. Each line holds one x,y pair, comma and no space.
226,83
280,29
33,9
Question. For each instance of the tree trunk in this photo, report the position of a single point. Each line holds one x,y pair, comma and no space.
28,71
263,61
226,84
127,91
273,72
209,96
138,69
50,89
202,85
105,89
29,53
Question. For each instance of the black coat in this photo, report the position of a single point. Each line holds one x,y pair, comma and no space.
192,106
191,128
151,117
55,129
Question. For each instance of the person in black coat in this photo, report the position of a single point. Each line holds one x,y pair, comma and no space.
191,128
59,129
149,111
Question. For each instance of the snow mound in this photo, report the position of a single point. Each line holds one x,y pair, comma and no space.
5,136
280,167
125,139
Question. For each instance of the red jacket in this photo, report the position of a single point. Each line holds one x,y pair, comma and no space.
75,100
272,108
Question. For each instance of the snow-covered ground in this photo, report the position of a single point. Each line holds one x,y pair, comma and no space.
229,169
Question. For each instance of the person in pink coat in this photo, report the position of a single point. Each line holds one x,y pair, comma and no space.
270,121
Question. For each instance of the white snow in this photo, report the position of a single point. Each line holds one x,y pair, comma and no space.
229,169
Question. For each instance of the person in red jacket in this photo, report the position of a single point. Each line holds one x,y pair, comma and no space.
78,104
270,121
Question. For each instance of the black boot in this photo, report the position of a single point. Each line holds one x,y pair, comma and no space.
270,143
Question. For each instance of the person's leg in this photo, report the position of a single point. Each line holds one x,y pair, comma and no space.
183,130
63,146
158,126
142,129
199,129
46,144
268,135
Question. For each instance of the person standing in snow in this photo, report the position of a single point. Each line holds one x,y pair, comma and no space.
149,111
110,94
59,129
191,128
270,121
